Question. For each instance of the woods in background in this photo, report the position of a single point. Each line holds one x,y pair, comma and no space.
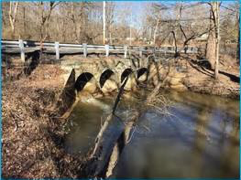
57,21
213,27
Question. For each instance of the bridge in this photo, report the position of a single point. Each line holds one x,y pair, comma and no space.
105,75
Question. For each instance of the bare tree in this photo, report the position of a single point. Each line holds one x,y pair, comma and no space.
217,21
110,9
159,8
81,22
45,16
13,9
104,21
213,39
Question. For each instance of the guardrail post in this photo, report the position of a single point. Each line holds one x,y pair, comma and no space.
196,50
57,50
21,46
125,51
85,49
130,48
107,50
140,53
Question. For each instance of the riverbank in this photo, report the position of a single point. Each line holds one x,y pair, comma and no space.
32,133
198,77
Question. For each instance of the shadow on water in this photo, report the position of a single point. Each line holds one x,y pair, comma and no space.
199,139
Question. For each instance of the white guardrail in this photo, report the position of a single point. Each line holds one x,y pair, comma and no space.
23,47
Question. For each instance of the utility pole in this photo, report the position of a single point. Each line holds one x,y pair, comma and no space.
104,19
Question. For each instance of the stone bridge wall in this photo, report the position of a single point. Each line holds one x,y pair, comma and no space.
114,70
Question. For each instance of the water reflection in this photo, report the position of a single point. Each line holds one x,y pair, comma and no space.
199,139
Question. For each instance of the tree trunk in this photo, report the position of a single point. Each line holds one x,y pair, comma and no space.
211,45
212,52
217,11
155,31
104,21
175,43
12,16
238,44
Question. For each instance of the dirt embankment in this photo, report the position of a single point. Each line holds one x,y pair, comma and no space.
200,79
196,76
32,134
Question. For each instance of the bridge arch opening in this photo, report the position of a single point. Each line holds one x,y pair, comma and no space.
141,72
105,76
82,80
125,74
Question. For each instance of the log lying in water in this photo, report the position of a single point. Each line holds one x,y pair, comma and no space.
127,132
121,143
105,142
97,163
110,144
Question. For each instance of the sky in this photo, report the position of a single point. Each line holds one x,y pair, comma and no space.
138,8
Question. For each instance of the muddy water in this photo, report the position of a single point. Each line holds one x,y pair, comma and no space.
199,137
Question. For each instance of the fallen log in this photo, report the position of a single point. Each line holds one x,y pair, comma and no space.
110,144
127,133
128,130
97,163
105,142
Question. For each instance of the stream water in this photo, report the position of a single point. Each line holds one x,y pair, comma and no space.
198,137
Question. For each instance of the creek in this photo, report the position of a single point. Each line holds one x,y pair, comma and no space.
198,137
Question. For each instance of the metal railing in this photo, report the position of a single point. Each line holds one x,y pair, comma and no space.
23,47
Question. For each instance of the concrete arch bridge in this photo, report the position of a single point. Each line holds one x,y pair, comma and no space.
107,75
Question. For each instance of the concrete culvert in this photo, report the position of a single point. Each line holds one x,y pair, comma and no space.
104,76
142,74
86,82
108,82
131,82
125,74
